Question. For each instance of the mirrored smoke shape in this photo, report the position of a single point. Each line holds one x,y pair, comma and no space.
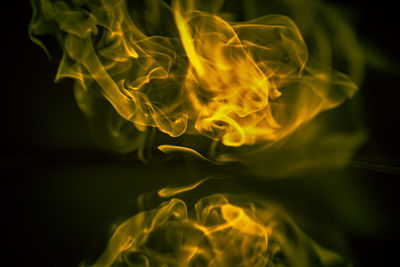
216,231
186,75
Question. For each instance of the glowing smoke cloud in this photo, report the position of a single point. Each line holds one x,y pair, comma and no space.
215,233
187,72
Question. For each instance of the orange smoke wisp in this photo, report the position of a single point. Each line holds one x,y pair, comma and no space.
216,233
239,84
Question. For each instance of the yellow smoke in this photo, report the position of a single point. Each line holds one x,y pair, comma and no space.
187,71
218,89
215,232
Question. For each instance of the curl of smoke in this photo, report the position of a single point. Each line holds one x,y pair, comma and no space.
215,233
185,72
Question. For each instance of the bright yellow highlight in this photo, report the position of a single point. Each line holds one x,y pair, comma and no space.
236,83
170,149
170,192
216,233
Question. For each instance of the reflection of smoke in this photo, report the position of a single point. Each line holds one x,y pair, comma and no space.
184,70
216,232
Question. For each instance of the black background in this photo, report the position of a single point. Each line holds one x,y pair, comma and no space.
60,193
